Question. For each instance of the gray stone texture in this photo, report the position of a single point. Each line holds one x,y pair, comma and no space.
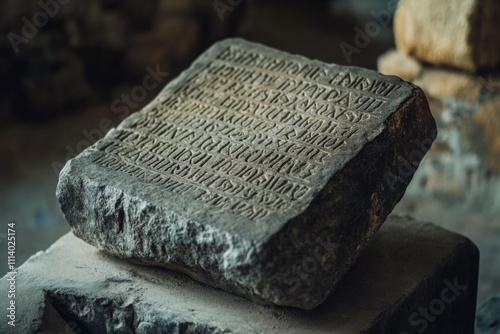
256,171
456,33
407,267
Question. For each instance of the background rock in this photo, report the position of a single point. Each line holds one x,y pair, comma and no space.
463,161
455,33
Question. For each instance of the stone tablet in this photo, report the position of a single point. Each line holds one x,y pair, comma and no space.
414,277
256,171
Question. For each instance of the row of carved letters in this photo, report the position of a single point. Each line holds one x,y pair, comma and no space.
210,188
290,94
307,70
250,167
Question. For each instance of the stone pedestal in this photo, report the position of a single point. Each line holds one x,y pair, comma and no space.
413,277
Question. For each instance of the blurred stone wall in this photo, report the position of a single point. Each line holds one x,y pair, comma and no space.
58,55
456,63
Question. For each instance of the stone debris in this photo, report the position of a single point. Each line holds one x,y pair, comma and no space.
413,277
262,173
457,33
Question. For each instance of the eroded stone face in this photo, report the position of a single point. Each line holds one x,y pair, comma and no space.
256,171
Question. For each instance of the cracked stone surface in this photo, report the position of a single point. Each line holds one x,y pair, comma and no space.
256,171
409,265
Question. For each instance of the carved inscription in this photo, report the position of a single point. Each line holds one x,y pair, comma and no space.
247,132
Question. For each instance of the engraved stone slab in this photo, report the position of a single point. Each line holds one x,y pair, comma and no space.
414,277
255,171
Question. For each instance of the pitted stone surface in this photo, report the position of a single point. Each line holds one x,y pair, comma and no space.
405,268
256,171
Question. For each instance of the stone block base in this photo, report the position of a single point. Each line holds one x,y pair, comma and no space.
413,278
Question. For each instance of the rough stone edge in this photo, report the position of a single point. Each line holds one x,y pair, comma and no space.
338,262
